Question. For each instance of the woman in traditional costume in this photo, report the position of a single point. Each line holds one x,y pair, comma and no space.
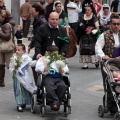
88,22
104,16
63,19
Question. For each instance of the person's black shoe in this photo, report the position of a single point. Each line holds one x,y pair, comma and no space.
23,106
97,65
85,67
19,109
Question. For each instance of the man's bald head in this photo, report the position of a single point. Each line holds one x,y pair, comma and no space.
53,19
54,14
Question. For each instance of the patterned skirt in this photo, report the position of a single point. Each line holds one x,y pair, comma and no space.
88,59
22,96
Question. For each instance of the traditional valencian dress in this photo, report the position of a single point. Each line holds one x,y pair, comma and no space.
104,19
87,41
63,19
23,81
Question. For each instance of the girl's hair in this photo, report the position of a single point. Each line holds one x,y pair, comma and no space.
23,46
19,26
114,16
105,8
52,48
57,3
91,6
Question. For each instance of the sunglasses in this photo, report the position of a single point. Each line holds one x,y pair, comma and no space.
116,23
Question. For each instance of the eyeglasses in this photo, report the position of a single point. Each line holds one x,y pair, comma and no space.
116,23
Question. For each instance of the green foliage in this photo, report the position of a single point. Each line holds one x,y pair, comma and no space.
54,56
18,62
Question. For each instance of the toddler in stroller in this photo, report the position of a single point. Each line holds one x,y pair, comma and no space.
53,67
111,99
116,76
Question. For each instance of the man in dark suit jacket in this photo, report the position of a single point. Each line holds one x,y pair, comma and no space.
47,35
51,34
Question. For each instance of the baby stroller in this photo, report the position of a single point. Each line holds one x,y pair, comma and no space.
111,99
40,97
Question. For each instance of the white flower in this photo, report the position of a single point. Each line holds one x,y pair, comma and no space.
14,63
94,31
47,60
17,61
60,63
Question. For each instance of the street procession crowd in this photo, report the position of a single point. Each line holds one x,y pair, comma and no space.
57,30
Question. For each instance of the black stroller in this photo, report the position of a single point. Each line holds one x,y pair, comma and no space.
111,99
40,97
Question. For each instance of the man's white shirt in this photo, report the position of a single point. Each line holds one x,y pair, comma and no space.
101,42
73,12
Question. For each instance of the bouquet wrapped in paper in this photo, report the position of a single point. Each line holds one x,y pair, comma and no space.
16,62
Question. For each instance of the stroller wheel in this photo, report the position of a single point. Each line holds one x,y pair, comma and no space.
105,109
42,111
69,109
117,116
66,111
33,103
101,110
69,106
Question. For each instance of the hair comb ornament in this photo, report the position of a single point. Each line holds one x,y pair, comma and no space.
88,4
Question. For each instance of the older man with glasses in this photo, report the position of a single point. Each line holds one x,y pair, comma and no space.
108,46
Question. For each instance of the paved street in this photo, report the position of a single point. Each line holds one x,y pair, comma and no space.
86,90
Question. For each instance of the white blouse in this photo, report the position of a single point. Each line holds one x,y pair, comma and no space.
101,42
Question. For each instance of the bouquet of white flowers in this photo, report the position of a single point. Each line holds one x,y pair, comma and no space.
96,32
17,61
60,63
55,57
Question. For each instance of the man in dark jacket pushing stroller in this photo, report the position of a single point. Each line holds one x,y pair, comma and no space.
52,34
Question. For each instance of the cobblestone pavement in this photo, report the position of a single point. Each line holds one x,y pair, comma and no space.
86,90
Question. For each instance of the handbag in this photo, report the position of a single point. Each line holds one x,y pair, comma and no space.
7,46
72,47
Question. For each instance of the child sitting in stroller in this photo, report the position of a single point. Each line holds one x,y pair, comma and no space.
116,76
53,66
